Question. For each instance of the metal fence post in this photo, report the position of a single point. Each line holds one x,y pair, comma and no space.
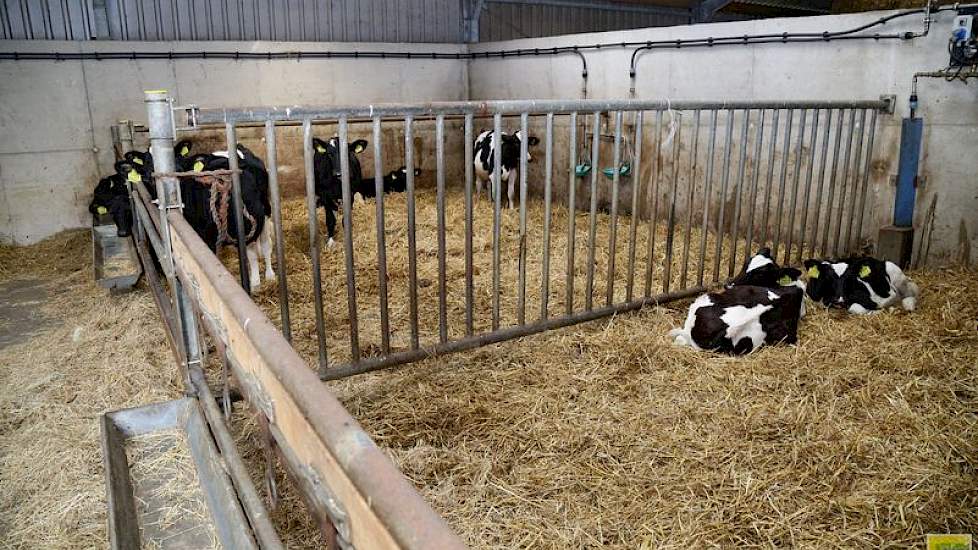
161,137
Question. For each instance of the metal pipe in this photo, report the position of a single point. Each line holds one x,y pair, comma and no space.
739,192
385,324
723,196
548,166
571,212
865,185
160,123
412,238
855,179
351,285
654,215
593,228
271,153
636,190
238,205
508,333
845,182
521,266
690,194
317,277
496,188
749,238
440,207
613,221
803,230
785,152
707,192
821,182
770,178
832,175
671,225
469,178
794,187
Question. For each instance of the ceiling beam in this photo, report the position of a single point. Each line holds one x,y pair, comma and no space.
605,6
706,9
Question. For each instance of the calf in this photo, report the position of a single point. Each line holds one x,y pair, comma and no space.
328,176
394,182
112,196
761,270
742,319
861,285
484,153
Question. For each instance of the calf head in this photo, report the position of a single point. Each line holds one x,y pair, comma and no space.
761,270
141,162
827,282
511,148
182,154
326,162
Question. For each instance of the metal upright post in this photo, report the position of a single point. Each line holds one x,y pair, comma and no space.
161,129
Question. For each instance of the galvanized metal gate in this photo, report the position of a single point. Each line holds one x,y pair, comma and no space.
734,176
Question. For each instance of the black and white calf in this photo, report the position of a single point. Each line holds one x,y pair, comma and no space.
742,319
484,153
761,270
861,285
329,183
112,197
394,182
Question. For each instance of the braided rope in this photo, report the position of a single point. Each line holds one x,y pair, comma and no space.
220,199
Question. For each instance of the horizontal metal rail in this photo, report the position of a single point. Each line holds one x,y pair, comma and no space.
198,116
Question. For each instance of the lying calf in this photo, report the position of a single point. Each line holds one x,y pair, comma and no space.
742,319
861,285
394,182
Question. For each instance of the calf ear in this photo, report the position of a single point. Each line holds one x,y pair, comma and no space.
319,145
788,276
812,267
533,141
183,148
358,146
766,252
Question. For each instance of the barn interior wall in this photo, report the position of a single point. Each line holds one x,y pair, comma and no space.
836,70
55,117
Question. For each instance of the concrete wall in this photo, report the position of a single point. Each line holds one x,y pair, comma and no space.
55,116
833,71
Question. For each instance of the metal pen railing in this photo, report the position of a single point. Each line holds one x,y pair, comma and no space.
759,176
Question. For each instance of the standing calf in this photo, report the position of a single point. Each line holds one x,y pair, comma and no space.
484,153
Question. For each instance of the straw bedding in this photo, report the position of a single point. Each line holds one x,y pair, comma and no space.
602,434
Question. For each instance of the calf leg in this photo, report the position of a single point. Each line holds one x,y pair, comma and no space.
265,245
512,187
330,227
252,252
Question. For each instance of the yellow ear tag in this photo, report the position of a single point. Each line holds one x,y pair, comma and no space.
359,148
320,149
198,166
784,280
864,271
102,210
184,151
134,176
813,272
137,160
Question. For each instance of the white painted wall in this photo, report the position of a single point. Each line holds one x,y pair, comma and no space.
55,117
836,70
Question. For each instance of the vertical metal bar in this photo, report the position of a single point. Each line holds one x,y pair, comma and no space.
803,229
667,268
613,230
571,212
232,144
770,178
351,285
636,190
845,183
707,191
497,155
739,192
749,238
440,205
865,185
785,152
691,193
654,214
314,251
521,283
271,154
821,181
832,176
855,181
794,187
548,167
593,229
723,195
469,181
385,325
412,238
